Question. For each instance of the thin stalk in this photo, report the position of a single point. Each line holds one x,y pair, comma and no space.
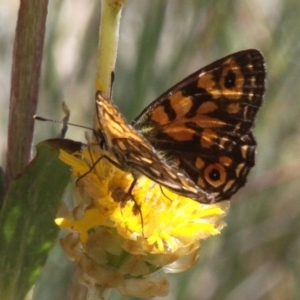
27,57
108,43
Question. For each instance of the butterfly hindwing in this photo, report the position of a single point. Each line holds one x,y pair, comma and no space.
204,123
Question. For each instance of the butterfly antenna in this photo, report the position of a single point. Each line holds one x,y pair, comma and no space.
39,118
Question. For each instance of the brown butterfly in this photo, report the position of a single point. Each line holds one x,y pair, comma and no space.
135,154
196,139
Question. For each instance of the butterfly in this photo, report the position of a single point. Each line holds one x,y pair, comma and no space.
195,139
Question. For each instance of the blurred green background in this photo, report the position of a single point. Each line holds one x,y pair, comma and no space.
257,256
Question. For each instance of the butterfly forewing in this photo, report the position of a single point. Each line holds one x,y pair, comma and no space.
136,155
203,124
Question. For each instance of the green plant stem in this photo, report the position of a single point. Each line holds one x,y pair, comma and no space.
108,43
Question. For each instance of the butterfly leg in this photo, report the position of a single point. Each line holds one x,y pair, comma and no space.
90,170
162,191
136,207
96,162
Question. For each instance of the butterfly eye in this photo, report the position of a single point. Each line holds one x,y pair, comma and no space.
101,140
215,175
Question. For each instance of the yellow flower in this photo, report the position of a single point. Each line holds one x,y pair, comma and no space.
120,240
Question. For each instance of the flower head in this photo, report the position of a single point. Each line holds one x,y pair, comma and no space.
121,235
